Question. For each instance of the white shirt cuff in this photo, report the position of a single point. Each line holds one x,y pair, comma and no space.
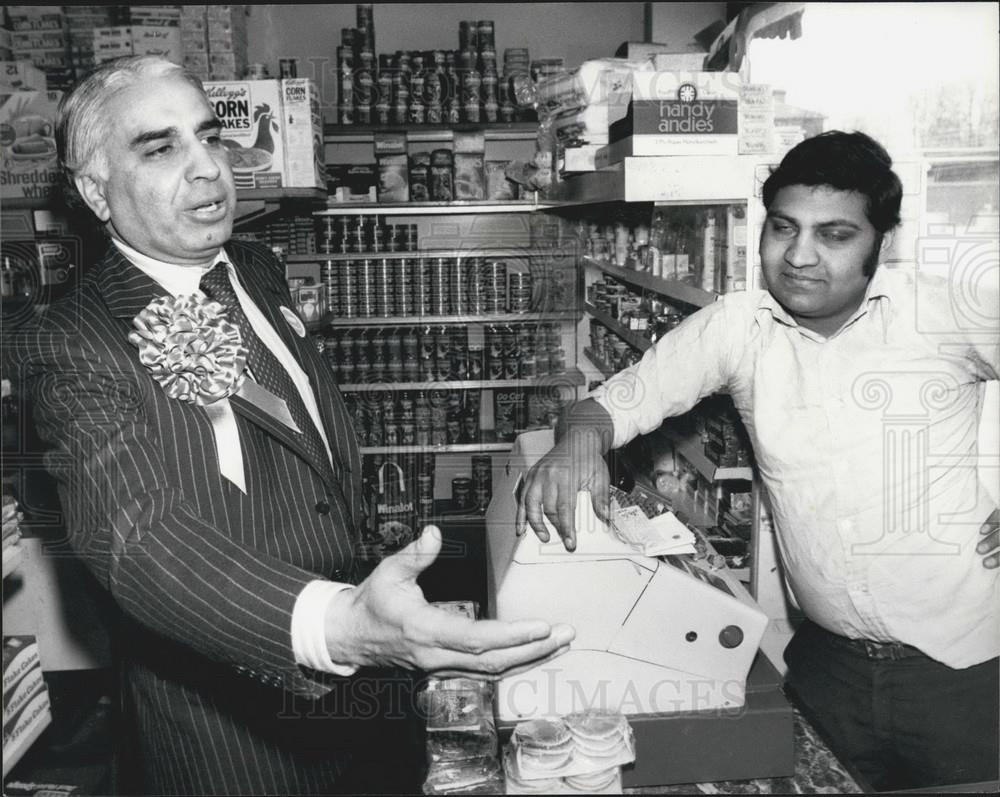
309,627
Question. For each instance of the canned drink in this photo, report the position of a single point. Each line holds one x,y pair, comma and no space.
461,492
475,362
481,497
510,368
425,507
408,434
288,68
425,485
482,468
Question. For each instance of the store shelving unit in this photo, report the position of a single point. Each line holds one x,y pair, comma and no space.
456,207
332,320
430,133
570,378
654,183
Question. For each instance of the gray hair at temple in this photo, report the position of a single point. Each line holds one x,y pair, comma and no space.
83,123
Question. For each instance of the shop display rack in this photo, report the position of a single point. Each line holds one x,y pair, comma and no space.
365,134
334,320
456,207
631,337
672,289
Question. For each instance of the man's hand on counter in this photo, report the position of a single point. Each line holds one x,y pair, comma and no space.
386,622
989,545
575,463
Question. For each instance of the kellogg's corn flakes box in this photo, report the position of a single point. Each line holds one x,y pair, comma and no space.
252,130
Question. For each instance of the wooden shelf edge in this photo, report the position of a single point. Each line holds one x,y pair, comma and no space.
628,335
690,448
570,378
507,253
456,448
679,291
436,320
429,208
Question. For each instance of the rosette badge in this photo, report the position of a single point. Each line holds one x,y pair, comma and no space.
191,348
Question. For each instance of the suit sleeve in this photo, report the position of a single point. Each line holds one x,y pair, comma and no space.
164,564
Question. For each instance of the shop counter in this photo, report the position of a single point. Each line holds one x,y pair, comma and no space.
817,770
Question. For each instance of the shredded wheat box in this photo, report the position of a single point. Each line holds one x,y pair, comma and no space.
28,164
253,129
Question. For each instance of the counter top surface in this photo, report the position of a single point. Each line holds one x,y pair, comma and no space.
817,771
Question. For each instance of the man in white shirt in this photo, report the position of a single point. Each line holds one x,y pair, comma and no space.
210,476
861,390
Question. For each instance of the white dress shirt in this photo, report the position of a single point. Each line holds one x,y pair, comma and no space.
309,614
867,444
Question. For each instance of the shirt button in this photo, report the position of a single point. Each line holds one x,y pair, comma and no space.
323,507
338,575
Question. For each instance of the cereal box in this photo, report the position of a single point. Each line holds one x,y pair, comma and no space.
302,128
252,130
28,164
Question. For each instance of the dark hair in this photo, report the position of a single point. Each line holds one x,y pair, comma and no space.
846,162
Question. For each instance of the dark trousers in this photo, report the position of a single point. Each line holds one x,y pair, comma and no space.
902,719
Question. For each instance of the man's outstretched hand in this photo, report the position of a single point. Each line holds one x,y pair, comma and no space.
387,622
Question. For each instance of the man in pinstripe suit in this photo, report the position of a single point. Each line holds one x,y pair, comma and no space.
252,663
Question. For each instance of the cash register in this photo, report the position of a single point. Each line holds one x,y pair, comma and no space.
663,635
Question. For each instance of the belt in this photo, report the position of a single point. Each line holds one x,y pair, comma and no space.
881,651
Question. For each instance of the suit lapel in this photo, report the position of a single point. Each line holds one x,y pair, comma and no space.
127,290
270,298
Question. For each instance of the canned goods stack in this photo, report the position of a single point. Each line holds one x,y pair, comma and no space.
440,279
488,284
437,418
519,292
405,277
385,288
348,288
413,87
482,481
367,291
460,287
461,492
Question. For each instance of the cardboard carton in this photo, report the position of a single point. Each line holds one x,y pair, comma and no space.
29,167
677,113
20,76
302,122
252,129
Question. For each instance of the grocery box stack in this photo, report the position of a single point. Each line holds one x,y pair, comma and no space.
28,163
214,41
26,711
81,21
576,109
39,34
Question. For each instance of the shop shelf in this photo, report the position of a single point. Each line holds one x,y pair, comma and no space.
665,180
458,207
673,289
363,134
509,253
489,445
689,446
333,320
570,378
628,335
605,370
256,204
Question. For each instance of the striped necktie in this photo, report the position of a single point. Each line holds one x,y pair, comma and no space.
266,369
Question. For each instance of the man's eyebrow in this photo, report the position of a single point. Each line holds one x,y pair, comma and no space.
170,132
777,214
152,135
209,124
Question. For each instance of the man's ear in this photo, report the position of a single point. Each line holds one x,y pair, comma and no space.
887,238
93,192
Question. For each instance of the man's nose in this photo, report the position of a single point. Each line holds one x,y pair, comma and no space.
202,163
801,252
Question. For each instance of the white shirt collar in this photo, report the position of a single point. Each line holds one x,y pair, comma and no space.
176,280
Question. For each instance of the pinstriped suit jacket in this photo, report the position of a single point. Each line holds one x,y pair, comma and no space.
206,576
